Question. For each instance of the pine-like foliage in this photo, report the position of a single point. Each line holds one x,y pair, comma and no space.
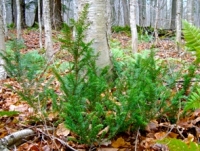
193,101
87,109
29,70
192,38
144,92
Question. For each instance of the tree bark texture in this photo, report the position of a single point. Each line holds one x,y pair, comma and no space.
97,31
134,34
48,30
178,24
2,45
55,11
19,30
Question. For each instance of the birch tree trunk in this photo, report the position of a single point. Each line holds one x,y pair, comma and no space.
19,32
2,45
156,22
109,17
178,24
191,11
134,34
40,24
4,18
97,31
48,30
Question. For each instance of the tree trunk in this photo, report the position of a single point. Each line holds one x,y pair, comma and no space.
134,34
55,12
142,12
22,12
156,22
178,24
109,24
173,15
48,30
4,18
2,45
97,30
40,24
19,32
191,11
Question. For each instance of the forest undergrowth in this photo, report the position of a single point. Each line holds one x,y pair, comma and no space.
161,123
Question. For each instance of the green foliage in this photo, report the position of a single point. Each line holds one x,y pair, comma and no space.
145,33
193,101
120,29
192,36
84,88
179,145
11,26
20,65
142,85
8,113
30,70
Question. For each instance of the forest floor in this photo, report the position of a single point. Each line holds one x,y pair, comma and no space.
186,128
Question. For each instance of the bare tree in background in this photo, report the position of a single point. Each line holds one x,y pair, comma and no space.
134,34
156,22
109,18
48,30
40,24
4,18
19,30
190,11
178,24
2,45
173,15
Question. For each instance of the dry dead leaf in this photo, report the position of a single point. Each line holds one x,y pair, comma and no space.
173,135
146,143
160,135
189,139
120,142
107,149
152,126
105,130
52,116
105,143
62,130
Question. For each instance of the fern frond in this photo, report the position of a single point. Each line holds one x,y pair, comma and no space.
194,101
192,38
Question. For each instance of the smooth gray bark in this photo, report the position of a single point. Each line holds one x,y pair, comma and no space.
178,24
2,45
19,30
97,31
134,34
48,30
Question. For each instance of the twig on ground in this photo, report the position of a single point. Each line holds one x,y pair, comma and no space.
58,139
136,139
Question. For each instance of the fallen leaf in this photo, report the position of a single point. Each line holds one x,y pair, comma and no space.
62,130
173,135
189,139
105,130
107,149
120,142
160,135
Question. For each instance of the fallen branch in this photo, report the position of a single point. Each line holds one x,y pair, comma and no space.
15,138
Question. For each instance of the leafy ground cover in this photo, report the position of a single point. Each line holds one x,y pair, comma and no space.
51,133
